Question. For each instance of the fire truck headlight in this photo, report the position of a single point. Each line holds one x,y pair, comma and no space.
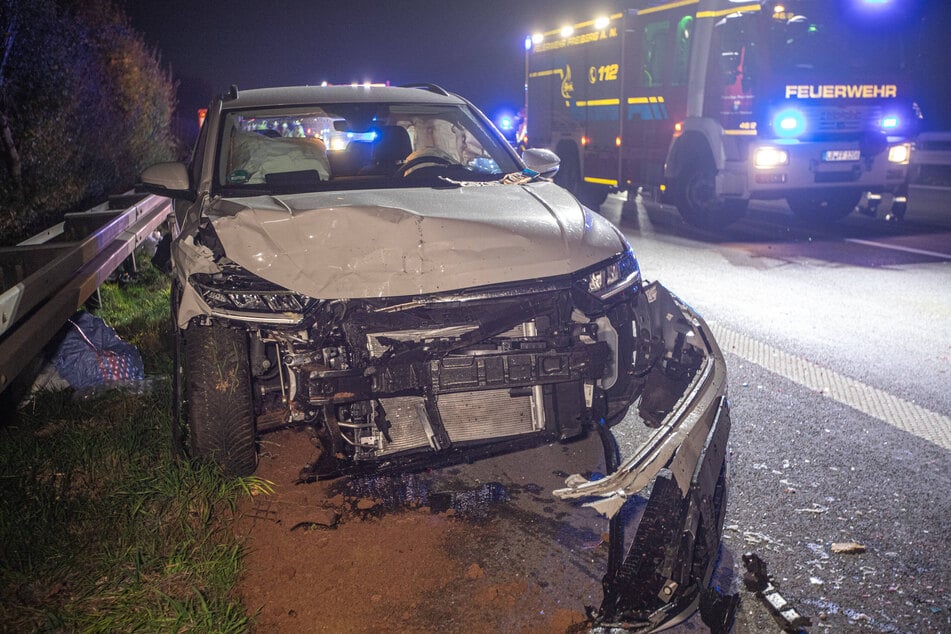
767,157
789,123
899,153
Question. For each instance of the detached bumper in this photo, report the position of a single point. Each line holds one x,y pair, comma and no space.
669,564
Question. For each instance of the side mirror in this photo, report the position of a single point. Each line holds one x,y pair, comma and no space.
545,162
167,179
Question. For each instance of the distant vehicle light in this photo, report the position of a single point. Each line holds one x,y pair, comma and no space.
602,22
566,31
789,123
889,123
874,5
769,157
899,153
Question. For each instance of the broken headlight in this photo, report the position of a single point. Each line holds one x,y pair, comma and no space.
607,281
236,289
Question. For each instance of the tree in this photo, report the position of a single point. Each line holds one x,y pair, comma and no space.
87,103
10,154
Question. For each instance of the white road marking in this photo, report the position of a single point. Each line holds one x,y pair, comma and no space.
895,247
895,411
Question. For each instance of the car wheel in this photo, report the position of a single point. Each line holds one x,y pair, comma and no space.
217,393
697,200
179,433
823,208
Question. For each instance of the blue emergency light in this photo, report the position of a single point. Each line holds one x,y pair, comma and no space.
873,5
890,122
789,123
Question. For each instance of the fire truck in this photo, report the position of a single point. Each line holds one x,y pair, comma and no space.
712,103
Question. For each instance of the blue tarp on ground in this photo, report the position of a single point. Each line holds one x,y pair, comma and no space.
92,354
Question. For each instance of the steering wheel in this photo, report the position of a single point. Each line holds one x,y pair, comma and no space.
427,160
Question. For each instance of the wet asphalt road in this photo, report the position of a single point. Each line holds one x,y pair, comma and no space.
866,305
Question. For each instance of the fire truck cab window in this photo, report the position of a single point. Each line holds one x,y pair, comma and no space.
734,44
820,36
682,50
654,53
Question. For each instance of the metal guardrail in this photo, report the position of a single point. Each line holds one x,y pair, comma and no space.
929,181
47,278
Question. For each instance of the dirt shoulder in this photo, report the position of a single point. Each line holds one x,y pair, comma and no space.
442,551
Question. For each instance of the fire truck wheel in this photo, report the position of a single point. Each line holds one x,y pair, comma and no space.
217,391
591,195
697,200
820,208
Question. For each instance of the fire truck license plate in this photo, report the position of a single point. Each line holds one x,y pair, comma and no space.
830,156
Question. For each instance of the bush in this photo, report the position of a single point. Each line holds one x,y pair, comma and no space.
85,105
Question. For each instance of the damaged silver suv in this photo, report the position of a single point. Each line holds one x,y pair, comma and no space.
377,263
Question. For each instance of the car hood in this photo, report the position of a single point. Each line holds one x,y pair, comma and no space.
412,241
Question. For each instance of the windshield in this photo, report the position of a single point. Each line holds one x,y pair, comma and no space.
356,146
854,37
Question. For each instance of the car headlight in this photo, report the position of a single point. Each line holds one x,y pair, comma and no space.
606,281
236,289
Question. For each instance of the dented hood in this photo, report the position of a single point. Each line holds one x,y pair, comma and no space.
398,242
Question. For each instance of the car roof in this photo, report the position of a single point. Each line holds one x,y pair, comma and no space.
301,95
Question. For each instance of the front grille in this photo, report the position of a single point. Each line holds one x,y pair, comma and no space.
842,119
380,342
489,414
937,145
407,430
932,175
848,176
467,416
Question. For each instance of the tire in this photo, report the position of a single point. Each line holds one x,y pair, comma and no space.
569,172
697,201
592,195
217,392
823,208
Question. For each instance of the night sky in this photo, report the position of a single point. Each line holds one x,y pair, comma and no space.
472,47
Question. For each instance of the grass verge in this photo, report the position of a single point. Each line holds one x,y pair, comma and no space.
102,528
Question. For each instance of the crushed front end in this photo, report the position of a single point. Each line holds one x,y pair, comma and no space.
672,450
440,378
433,378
